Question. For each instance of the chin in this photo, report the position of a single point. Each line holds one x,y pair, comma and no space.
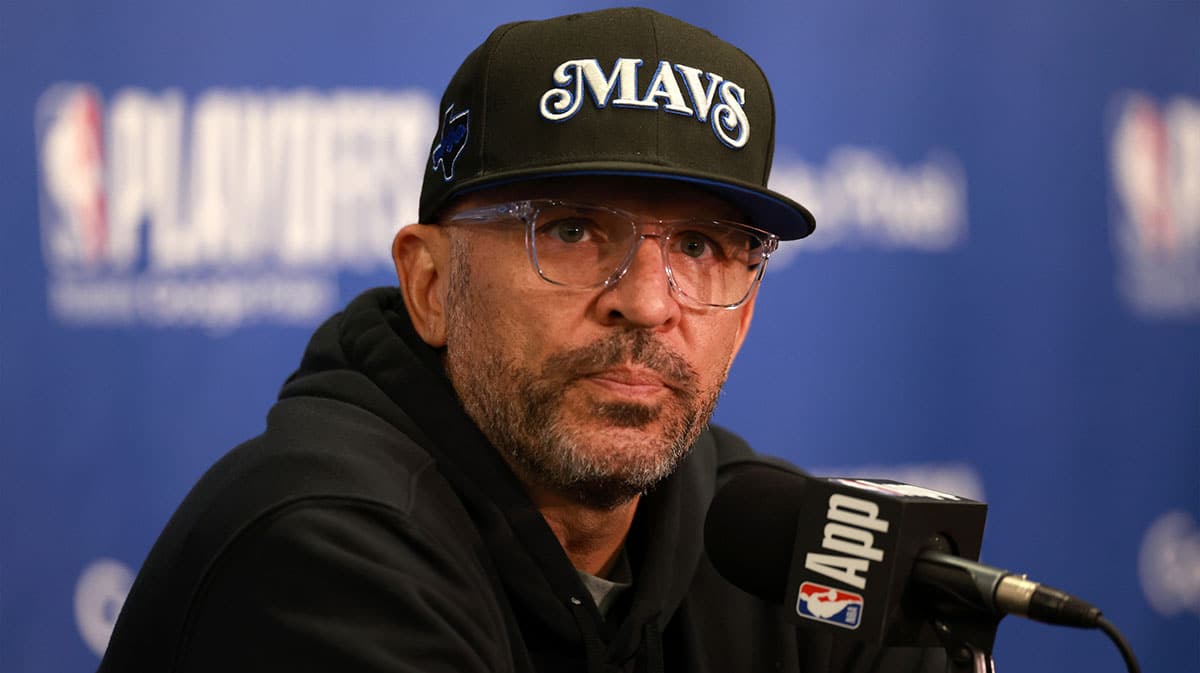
619,451
601,464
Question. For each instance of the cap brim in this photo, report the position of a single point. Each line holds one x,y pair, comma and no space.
767,210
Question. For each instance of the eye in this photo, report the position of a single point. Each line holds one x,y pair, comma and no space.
569,230
697,245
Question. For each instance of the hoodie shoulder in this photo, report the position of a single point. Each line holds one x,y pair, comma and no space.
316,447
321,466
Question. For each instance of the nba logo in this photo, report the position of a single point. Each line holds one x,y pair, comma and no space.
71,159
1155,165
829,605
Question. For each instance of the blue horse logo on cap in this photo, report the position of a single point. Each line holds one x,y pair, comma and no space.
455,126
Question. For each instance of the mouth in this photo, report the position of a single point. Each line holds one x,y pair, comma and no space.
630,382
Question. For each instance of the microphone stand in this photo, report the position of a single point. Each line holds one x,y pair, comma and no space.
958,600
968,639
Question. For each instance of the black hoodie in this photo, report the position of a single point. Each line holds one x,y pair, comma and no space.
372,527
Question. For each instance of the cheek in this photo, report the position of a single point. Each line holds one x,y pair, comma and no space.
502,309
713,343
541,322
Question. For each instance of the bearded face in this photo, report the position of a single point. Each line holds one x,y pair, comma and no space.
557,432
595,394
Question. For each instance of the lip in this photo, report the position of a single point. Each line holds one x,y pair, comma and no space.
628,382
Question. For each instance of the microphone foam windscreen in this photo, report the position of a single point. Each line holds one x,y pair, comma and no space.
750,530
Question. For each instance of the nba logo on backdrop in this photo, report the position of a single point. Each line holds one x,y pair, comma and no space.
829,605
1154,152
71,153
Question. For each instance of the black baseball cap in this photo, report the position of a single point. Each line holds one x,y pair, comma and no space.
613,92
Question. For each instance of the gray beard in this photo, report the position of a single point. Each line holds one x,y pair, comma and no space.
521,411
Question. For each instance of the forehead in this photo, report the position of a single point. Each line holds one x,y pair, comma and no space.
653,198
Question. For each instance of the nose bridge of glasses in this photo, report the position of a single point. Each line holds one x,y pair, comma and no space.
634,250
657,227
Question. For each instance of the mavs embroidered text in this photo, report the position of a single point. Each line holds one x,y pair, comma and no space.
718,101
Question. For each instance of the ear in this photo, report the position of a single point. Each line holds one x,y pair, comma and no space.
421,254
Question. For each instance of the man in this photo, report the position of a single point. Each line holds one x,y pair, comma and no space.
505,465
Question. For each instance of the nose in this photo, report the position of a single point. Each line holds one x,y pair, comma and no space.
642,296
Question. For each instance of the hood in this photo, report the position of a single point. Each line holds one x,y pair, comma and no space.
370,356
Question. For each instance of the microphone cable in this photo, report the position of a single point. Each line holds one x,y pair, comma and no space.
1114,635
987,590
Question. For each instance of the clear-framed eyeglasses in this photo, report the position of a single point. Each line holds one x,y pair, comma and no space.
709,263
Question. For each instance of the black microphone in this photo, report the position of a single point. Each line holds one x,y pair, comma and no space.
876,560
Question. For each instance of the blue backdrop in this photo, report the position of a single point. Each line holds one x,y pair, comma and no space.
1002,298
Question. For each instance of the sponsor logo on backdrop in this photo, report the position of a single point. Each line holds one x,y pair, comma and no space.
1169,564
99,595
864,199
239,206
1154,156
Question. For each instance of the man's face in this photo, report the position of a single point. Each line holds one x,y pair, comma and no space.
593,394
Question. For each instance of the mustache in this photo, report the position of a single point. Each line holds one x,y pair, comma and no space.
637,347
